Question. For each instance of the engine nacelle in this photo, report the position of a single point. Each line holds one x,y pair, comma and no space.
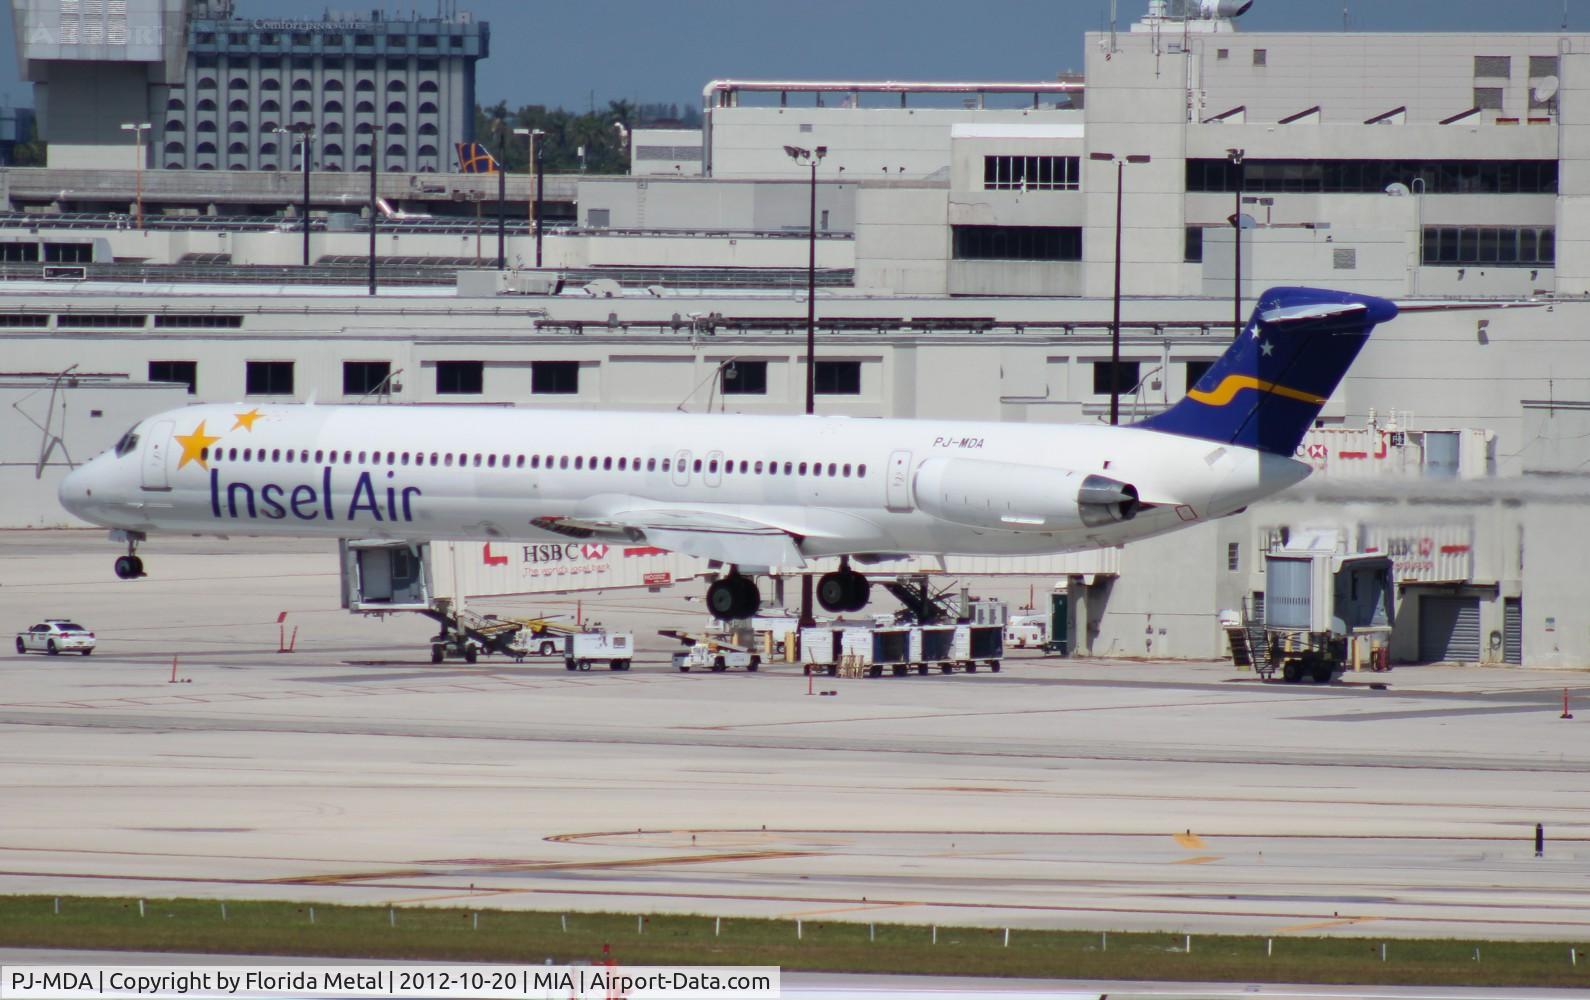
1209,10
1015,497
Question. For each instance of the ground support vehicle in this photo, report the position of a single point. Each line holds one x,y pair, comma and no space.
865,650
710,651
581,649
55,636
1027,631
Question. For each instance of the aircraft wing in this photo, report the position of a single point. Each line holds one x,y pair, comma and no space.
726,538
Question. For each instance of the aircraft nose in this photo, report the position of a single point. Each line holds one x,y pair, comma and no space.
76,491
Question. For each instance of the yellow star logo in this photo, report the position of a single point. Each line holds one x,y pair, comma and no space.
246,420
193,446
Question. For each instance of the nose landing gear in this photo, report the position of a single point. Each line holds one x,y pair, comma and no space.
129,566
733,596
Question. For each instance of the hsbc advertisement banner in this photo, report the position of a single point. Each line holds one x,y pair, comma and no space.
485,569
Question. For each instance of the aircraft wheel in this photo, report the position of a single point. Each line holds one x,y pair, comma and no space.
833,592
124,568
723,598
749,597
859,589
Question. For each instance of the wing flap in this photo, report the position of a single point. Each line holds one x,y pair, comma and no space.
726,538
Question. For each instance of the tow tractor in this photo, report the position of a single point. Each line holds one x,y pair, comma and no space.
708,652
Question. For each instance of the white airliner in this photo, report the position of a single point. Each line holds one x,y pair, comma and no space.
752,492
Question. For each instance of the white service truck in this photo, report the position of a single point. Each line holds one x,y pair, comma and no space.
581,649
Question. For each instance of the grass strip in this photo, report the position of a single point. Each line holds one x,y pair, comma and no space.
464,934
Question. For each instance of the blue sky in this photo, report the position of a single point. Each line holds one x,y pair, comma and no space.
572,54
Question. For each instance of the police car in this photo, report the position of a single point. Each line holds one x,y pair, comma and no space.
56,635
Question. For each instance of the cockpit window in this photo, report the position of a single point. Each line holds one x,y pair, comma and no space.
128,442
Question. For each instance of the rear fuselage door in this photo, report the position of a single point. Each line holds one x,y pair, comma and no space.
898,482
157,456
681,471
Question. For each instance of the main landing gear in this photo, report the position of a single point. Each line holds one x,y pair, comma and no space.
845,590
129,566
733,596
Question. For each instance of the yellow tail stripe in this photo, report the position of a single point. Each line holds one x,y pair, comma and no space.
1229,386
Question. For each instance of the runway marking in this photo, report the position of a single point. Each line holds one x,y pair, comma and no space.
850,909
543,866
1202,859
1323,924
1190,840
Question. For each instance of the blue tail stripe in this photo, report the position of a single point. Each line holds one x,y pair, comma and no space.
1270,385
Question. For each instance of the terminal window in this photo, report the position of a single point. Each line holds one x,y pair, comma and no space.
1373,176
360,378
837,378
555,378
1502,246
268,378
1125,381
744,378
1195,371
1018,242
186,372
1031,173
460,378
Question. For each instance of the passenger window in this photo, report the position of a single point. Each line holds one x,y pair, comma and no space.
435,458
803,468
744,466
861,470
846,470
696,466
447,459
391,458
579,461
623,464
607,464
593,462
789,468
361,458
519,462
563,463
289,454
535,461
491,461
204,454
232,456
758,468
832,469
712,466
666,463
319,456
651,465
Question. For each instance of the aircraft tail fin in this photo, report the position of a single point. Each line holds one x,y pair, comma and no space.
1268,387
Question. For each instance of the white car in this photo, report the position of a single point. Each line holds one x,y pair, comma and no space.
56,635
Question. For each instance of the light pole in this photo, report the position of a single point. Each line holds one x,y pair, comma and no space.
812,157
534,136
303,134
1115,322
137,129
1235,158
375,168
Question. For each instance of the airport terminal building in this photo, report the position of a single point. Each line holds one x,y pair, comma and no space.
967,262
